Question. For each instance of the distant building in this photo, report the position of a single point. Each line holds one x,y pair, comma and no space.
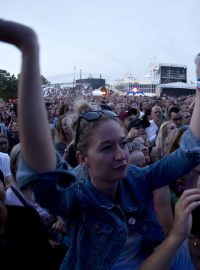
169,73
175,89
130,85
92,83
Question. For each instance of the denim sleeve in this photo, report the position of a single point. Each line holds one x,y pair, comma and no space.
53,190
174,165
190,145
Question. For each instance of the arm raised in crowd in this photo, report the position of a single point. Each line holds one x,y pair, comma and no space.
163,256
194,124
37,146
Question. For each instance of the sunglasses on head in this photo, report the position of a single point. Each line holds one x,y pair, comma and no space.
91,116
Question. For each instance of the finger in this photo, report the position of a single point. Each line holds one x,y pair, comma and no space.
188,196
187,207
188,192
188,210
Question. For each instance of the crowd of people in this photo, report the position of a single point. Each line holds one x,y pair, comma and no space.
97,182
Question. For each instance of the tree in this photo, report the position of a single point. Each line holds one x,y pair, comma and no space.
44,80
9,85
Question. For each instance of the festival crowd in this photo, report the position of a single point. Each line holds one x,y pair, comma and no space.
97,182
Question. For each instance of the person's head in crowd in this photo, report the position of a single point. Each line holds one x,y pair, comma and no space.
186,117
49,109
144,148
4,143
136,156
6,119
64,130
144,106
65,108
121,107
168,102
127,117
82,105
147,115
156,114
13,114
14,126
134,104
166,128
100,139
137,127
56,111
159,150
175,115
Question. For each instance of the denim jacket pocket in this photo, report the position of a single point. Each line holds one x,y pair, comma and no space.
96,225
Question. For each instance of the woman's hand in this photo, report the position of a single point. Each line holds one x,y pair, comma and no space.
59,225
162,257
189,200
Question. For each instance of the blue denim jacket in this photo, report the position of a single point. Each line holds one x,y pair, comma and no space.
98,228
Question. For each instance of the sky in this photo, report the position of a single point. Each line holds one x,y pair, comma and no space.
113,38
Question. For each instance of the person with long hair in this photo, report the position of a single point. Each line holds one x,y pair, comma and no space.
107,214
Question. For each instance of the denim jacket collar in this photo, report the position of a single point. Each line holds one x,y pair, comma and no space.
126,202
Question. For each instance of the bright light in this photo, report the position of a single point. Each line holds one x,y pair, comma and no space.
135,89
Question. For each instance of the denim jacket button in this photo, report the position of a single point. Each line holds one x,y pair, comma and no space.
131,221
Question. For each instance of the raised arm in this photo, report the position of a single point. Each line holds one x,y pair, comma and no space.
194,124
163,256
37,146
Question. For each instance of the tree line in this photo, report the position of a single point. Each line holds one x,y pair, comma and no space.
9,85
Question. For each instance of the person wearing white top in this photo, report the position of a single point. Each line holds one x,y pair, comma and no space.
5,167
155,123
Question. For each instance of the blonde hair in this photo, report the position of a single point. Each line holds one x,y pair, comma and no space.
14,155
173,140
59,132
160,149
87,129
162,134
81,106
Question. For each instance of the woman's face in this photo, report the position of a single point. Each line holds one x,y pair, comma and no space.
15,127
137,158
107,155
170,127
66,126
138,131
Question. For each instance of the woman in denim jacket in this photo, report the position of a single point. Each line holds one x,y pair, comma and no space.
107,215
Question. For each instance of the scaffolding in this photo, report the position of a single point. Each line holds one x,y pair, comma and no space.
172,73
